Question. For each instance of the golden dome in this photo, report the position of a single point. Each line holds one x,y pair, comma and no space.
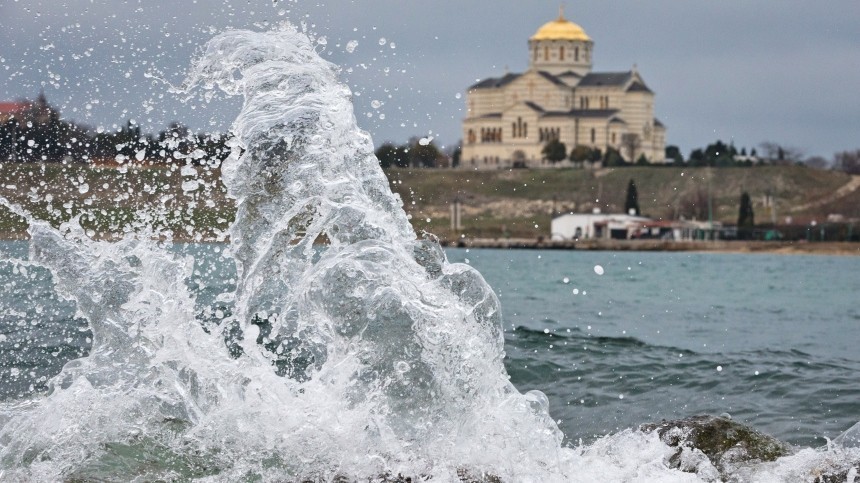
561,29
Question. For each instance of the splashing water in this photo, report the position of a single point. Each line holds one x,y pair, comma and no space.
354,348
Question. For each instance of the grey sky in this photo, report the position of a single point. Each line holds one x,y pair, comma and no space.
750,71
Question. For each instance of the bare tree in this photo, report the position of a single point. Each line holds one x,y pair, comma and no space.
779,154
694,204
817,162
630,144
848,161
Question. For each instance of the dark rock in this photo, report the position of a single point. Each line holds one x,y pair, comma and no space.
724,442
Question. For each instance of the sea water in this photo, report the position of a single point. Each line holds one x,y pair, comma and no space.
328,340
770,339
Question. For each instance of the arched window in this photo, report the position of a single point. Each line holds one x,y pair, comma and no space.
525,129
576,54
561,52
593,135
546,53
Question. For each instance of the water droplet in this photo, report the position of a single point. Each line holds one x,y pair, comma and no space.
376,104
351,45
565,280
83,188
598,269
719,368
458,95
382,41
576,291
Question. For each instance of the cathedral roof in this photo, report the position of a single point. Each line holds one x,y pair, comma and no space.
605,79
495,82
638,87
534,106
568,73
589,113
561,29
555,80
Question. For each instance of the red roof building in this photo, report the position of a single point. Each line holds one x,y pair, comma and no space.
13,109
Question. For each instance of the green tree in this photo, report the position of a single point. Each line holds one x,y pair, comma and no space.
746,217
387,155
697,158
390,155
673,153
456,154
642,160
631,204
554,151
423,155
580,153
613,158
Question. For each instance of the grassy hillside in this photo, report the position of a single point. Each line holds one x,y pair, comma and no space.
521,199
111,201
518,203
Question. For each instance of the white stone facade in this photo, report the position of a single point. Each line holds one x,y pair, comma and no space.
511,118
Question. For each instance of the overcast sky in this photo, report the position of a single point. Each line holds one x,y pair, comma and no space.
786,71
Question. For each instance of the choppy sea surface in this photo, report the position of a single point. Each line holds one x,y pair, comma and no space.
773,340
614,339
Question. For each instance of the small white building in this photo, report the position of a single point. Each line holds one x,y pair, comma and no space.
583,226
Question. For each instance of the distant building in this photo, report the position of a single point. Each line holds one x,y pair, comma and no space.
591,226
581,226
39,112
10,110
511,118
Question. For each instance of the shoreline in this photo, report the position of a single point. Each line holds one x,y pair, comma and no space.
700,246
716,246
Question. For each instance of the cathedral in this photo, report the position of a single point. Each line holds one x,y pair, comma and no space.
511,118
